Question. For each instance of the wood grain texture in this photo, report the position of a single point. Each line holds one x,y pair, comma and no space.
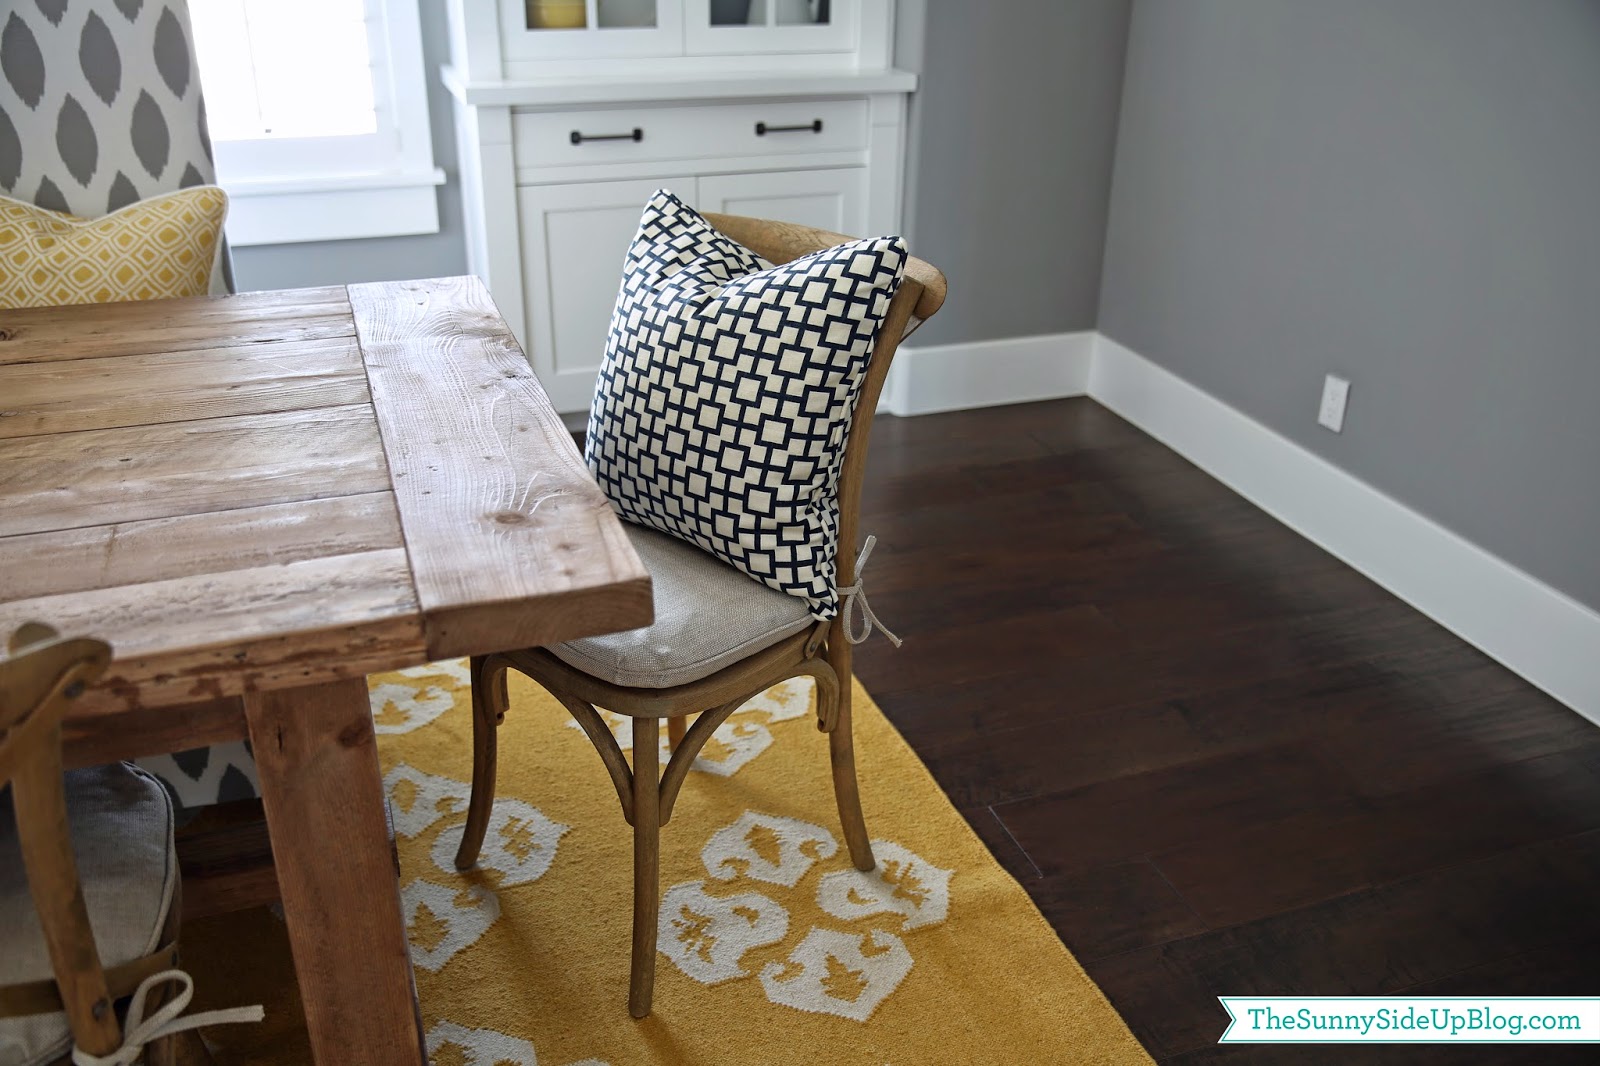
178,386
202,483
780,242
1247,769
87,331
322,789
35,681
225,857
213,635
135,553
85,740
107,476
512,544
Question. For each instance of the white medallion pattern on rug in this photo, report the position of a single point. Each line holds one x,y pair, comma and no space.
833,972
457,670
519,845
417,800
402,708
442,922
826,938
706,936
484,1047
844,972
766,847
901,884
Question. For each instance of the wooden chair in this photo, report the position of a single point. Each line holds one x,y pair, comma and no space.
74,945
767,637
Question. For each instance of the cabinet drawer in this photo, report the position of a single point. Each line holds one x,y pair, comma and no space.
571,138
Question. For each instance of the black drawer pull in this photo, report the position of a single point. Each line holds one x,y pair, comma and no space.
762,129
579,138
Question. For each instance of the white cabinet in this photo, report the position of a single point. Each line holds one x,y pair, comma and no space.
574,238
827,199
569,115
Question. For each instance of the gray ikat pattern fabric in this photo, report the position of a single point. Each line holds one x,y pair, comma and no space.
99,103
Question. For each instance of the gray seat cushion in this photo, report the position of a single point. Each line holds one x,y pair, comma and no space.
708,616
122,836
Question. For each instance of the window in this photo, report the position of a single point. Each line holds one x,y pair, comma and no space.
318,113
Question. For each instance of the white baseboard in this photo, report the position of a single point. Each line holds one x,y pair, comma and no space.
1540,633
953,377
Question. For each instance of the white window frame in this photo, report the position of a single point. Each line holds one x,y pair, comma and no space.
284,191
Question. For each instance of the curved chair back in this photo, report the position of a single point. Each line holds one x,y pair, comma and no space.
38,680
921,294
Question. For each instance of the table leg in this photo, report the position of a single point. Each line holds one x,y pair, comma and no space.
323,794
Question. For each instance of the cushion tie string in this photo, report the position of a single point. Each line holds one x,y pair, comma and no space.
856,596
164,1022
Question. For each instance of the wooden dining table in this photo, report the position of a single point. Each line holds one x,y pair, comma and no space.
258,500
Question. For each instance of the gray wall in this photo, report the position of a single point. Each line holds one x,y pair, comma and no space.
1404,193
1009,170
432,255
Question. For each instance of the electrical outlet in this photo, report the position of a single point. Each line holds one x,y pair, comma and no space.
1335,392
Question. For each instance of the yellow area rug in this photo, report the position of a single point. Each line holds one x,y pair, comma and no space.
773,948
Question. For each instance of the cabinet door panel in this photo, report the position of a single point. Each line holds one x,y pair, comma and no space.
729,27
589,29
827,199
574,239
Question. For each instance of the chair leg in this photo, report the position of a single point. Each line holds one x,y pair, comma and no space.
676,728
646,863
842,754
489,702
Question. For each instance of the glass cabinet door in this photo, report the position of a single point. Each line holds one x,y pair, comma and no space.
589,29
723,27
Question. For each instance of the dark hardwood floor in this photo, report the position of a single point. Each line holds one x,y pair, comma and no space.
1221,761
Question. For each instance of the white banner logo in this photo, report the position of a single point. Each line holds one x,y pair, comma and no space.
1411,1020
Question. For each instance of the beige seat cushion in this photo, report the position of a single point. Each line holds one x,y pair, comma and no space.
708,616
122,836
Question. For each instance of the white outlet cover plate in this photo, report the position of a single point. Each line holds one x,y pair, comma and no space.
1335,393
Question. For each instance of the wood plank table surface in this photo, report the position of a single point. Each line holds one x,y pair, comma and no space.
259,499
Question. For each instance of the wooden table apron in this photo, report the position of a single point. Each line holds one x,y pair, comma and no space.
260,499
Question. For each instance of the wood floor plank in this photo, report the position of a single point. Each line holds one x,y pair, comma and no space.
136,553
107,476
1129,817
1330,849
503,542
1000,844
1112,909
1454,791
67,397
1388,939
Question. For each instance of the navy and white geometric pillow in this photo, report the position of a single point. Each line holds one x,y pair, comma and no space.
728,389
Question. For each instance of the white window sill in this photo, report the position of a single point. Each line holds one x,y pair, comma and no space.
332,208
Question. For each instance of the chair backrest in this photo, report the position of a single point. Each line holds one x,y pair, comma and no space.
921,295
102,108
38,680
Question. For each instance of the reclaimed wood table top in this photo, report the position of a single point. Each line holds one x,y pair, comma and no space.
287,488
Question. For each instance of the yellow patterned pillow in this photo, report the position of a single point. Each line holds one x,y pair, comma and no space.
150,250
